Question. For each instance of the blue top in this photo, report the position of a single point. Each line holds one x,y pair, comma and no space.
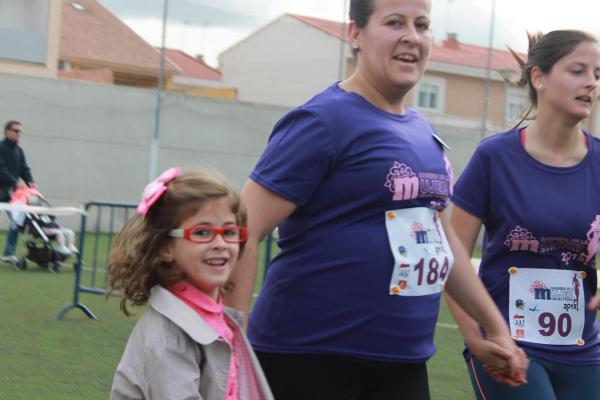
327,291
558,208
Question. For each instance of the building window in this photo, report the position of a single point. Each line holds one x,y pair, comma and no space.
24,30
429,96
64,65
430,93
516,105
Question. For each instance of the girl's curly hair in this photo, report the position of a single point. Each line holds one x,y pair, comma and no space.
137,262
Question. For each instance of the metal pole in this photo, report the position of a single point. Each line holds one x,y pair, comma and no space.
488,71
154,143
343,42
505,103
448,2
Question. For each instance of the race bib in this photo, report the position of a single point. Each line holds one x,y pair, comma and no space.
546,305
422,256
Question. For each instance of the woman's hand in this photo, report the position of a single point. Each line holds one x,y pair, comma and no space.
489,353
20,184
594,303
472,306
503,359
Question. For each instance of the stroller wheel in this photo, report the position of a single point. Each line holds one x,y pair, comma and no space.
54,267
21,264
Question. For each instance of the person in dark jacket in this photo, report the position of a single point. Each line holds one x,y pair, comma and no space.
14,174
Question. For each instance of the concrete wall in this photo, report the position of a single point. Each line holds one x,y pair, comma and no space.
86,141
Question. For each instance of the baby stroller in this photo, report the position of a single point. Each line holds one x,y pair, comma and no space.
40,233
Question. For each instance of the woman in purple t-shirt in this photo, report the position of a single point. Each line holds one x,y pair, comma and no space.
536,190
357,182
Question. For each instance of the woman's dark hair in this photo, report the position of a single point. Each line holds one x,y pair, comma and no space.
360,11
544,52
137,260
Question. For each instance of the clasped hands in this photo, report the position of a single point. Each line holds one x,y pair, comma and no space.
506,362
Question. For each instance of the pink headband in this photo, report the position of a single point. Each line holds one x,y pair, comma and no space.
155,189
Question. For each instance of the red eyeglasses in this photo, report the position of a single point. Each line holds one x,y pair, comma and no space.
207,233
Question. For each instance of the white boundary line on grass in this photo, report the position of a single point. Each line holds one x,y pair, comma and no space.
446,325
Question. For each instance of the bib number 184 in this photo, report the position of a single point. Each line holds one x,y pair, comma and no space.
431,271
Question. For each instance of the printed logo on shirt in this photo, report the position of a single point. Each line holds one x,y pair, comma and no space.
519,320
569,249
521,239
593,236
567,295
450,173
405,184
424,236
520,333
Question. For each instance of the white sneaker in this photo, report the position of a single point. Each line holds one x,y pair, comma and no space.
11,259
62,249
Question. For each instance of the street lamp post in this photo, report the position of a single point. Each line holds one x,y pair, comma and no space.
343,43
488,71
507,75
154,142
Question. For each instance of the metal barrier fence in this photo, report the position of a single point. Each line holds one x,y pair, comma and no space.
101,235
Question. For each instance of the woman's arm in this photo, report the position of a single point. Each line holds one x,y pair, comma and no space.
265,210
466,227
464,287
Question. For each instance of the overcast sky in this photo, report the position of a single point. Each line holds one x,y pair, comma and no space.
210,26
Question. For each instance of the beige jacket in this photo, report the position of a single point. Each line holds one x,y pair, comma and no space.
172,354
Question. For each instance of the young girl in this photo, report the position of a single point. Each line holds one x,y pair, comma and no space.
536,190
174,256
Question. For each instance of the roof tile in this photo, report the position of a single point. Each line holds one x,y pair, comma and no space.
192,67
95,34
450,51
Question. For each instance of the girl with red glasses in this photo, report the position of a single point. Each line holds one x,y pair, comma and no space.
175,256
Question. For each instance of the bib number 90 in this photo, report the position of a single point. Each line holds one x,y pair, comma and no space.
550,324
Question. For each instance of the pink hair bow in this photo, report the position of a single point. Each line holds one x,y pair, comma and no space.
155,189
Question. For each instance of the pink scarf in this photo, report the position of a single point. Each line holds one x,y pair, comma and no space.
212,313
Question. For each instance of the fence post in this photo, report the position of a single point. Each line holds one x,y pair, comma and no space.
78,267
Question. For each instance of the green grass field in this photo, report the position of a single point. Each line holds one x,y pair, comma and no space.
42,358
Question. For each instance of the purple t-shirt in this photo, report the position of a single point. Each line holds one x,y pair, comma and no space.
535,216
327,291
